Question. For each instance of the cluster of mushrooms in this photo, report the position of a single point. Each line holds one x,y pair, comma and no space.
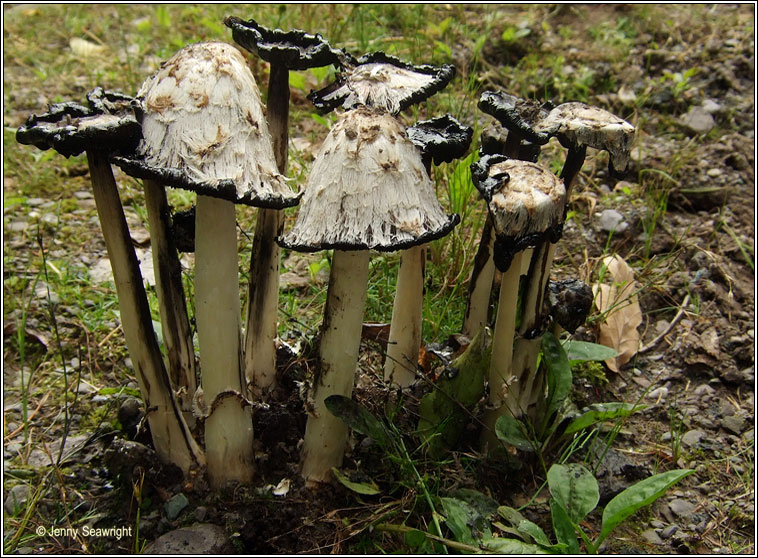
199,124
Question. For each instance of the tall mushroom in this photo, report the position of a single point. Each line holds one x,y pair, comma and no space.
177,334
439,140
284,51
204,130
368,190
526,203
70,129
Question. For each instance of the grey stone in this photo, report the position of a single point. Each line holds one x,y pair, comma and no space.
681,507
50,219
652,537
34,202
698,121
703,390
201,538
668,532
657,524
17,226
692,438
175,505
201,512
733,423
710,106
611,220
17,498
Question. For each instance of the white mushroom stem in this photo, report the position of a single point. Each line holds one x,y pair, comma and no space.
480,283
407,311
229,428
171,437
325,434
177,335
263,290
527,347
501,374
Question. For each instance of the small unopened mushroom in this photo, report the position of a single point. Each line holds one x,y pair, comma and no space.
204,131
439,140
284,51
382,81
362,194
526,203
70,129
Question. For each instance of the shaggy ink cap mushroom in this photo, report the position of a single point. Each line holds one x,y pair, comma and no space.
569,302
440,139
368,190
578,124
71,128
526,203
517,115
204,130
382,81
295,49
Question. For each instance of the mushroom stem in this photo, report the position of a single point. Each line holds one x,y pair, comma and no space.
229,427
177,335
571,167
500,373
171,436
480,283
263,289
405,332
325,434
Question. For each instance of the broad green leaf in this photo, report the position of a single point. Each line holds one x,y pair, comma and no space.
558,372
459,516
534,531
510,546
415,538
484,505
575,488
511,431
580,351
359,419
511,515
638,496
365,488
564,529
601,412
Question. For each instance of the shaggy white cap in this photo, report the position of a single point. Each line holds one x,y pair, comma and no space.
368,189
203,116
591,126
529,202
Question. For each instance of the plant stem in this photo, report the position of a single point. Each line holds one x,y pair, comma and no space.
480,283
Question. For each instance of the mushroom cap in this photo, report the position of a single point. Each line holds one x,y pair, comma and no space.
525,200
440,139
580,124
204,130
296,50
517,115
108,124
382,81
368,189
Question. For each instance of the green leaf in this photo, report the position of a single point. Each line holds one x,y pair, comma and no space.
415,538
558,372
459,516
600,412
579,351
359,419
367,489
510,546
575,488
511,431
638,496
534,531
565,531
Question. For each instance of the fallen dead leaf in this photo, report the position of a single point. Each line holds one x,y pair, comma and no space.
623,315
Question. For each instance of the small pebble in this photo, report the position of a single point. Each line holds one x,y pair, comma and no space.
668,532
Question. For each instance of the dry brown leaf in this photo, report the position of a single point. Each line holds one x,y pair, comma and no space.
623,315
